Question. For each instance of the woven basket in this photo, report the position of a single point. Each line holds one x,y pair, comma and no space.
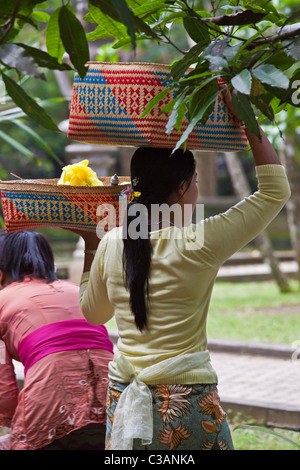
28,204
107,105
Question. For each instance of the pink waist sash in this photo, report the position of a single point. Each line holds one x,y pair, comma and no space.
62,336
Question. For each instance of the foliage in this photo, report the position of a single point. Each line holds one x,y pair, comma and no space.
253,46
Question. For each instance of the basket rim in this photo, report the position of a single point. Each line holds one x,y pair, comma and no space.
51,186
129,64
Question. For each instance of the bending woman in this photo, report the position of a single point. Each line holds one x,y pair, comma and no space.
62,403
158,281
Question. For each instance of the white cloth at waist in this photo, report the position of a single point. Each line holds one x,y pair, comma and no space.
133,417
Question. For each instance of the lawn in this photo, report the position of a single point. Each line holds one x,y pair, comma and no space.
252,311
252,436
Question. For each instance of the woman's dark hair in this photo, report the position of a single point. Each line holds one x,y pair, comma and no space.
26,253
155,173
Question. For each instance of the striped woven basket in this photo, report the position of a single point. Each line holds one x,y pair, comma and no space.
107,105
29,204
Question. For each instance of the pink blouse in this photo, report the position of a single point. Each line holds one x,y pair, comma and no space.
65,358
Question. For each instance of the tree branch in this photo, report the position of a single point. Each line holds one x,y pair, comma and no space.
236,19
11,22
272,39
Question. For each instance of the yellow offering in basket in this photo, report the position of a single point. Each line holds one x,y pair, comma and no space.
79,174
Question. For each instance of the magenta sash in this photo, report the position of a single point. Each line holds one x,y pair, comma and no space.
62,336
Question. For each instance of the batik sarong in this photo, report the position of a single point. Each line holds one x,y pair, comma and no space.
185,417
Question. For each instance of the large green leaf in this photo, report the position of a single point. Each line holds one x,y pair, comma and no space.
142,11
15,57
268,73
197,30
107,7
117,20
126,17
263,106
43,59
54,42
107,26
242,82
29,106
242,105
74,40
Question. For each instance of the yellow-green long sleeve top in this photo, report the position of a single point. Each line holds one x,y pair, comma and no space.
181,279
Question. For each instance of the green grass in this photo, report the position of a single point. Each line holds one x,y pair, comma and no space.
254,311
250,435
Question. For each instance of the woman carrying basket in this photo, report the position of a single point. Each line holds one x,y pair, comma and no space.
157,280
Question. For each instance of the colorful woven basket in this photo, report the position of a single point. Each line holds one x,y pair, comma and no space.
29,204
107,105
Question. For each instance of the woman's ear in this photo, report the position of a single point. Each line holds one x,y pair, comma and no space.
182,187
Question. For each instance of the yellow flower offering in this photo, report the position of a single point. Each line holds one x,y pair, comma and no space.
79,174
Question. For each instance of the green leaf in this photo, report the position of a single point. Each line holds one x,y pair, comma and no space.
19,147
141,26
74,40
173,119
15,57
29,106
192,56
107,26
201,111
269,74
155,101
126,17
264,107
142,11
107,7
181,112
43,59
202,98
292,49
217,63
243,107
242,82
54,42
36,138
10,114
197,29
41,16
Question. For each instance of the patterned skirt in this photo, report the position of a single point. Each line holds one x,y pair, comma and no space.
185,417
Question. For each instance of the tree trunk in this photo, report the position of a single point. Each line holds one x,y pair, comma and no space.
207,174
242,189
287,155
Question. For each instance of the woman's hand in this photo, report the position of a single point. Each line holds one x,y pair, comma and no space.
91,239
262,149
